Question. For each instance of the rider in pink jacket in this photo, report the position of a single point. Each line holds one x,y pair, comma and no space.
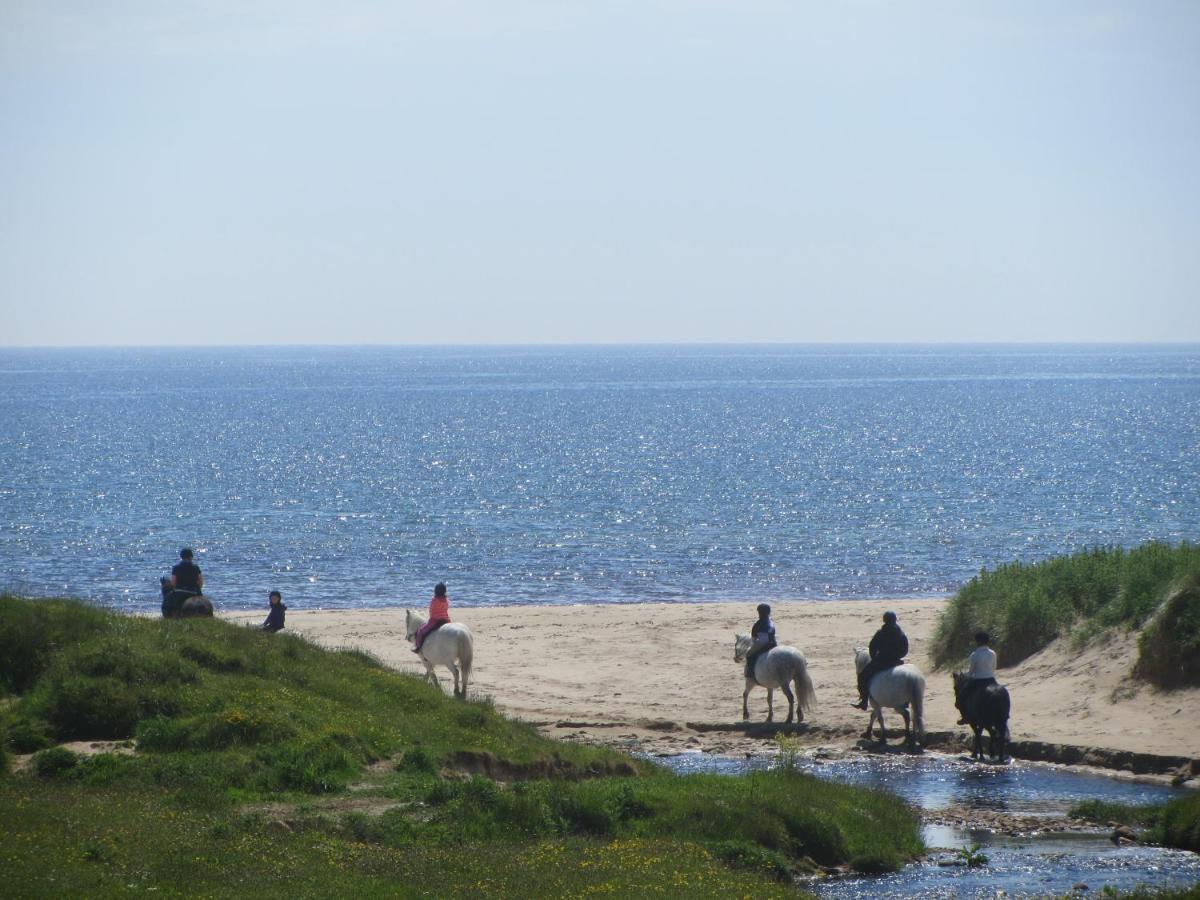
439,615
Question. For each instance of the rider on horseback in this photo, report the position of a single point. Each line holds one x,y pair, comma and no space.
186,581
888,648
763,636
439,615
981,669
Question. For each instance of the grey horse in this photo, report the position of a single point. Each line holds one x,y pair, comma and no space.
777,668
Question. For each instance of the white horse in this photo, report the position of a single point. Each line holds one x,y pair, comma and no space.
897,689
446,646
776,669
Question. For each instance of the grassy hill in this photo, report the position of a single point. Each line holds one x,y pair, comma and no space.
243,763
1154,588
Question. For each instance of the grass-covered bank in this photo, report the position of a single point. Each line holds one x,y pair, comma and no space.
266,765
1154,587
1174,824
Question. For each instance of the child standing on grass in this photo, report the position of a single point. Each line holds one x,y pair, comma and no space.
275,614
439,615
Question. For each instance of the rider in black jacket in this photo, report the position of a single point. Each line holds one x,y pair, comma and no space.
888,649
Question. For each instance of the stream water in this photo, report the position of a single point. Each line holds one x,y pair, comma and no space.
1038,862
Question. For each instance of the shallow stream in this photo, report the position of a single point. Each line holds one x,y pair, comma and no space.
1041,860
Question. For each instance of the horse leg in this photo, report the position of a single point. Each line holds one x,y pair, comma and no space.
430,675
770,704
745,707
977,752
787,692
454,670
908,738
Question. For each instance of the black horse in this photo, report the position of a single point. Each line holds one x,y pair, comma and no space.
984,708
178,604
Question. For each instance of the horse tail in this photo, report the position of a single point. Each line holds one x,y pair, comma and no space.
806,695
918,707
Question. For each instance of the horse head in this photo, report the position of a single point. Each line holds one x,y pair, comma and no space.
861,658
412,624
960,684
741,646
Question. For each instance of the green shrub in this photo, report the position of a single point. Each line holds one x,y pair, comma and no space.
28,735
1179,824
227,727
1025,607
1169,647
1123,814
417,759
31,629
105,768
753,858
79,708
875,863
315,767
54,762
215,658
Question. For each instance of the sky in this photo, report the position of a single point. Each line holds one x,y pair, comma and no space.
519,171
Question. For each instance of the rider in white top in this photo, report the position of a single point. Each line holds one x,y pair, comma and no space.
982,662
981,669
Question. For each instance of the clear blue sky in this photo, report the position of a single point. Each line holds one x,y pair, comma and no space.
505,171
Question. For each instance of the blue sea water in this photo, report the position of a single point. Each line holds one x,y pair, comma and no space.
360,476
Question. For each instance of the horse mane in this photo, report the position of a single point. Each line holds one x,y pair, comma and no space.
411,617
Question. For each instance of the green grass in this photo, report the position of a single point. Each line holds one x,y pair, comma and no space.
268,766
66,840
256,711
1025,607
1178,824
1104,811
1173,824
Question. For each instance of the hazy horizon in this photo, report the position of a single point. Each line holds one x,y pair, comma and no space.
675,172
612,344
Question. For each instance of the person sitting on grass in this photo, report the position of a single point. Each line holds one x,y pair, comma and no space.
439,615
981,669
762,636
275,614
888,648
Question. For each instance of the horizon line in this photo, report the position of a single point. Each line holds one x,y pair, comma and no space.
433,345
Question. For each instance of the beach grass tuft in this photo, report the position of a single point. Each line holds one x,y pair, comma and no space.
1026,606
1172,824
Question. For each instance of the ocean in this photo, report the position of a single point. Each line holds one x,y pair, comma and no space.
360,476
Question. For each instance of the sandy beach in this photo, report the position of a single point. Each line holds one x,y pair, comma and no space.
661,677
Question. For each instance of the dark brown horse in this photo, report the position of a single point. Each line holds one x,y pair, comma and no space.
987,708
177,604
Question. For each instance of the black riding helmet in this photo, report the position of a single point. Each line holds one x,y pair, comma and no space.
889,617
764,610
